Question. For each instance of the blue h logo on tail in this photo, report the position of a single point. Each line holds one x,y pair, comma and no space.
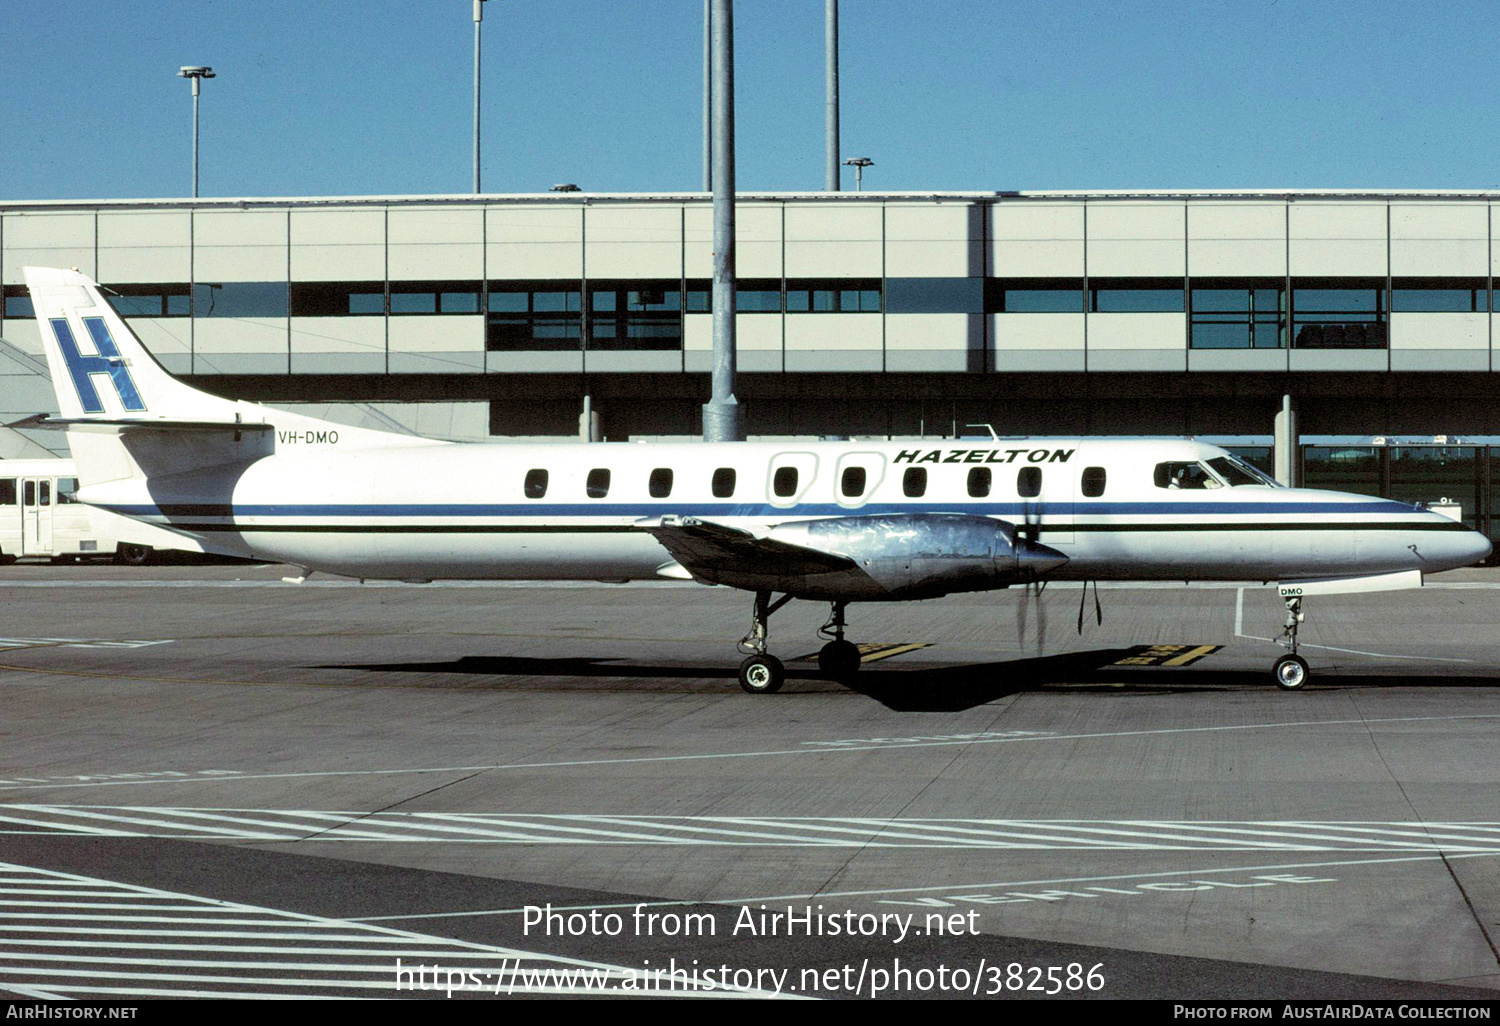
82,368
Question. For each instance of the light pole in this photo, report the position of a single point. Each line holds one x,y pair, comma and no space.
859,164
478,17
195,73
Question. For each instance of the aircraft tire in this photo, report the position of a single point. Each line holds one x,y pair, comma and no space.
762,674
839,660
133,555
1291,672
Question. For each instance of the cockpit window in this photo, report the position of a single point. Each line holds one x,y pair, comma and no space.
1235,474
1238,473
1184,475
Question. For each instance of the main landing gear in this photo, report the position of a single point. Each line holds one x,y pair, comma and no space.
763,674
1291,670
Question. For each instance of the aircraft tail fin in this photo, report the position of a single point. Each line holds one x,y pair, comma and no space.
99,368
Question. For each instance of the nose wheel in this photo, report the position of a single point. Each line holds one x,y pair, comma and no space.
762,674
1291,671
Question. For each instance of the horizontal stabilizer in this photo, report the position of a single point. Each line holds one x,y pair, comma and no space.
707,550
47,422
1350,585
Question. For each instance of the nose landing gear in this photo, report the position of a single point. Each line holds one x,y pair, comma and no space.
1291,670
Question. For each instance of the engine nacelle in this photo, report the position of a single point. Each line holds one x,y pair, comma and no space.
910,556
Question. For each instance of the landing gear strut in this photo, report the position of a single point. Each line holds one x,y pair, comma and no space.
762,673
1291,671
839,659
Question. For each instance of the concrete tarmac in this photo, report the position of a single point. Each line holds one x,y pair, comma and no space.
216,782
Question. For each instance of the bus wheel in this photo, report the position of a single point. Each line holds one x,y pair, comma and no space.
133,555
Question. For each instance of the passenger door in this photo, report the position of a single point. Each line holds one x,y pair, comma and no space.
36,517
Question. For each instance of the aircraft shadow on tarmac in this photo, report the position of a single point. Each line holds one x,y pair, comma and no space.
950,688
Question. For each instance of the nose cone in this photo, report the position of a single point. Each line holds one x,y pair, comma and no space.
1477,547
1034,559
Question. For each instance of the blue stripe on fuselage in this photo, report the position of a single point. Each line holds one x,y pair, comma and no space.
641,510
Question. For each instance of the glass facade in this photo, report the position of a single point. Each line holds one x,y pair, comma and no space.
241,299
1237,314
1439,295
833,295
536,315
1338,313
1033,295
635,315
1135,295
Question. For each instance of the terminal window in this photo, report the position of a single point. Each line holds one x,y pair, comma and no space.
1033,295
15,301
337,298
1338,313
1439,295
1135,295
635,315
241,299
1238,314
833,295
535,315
154,300
751,295
434,297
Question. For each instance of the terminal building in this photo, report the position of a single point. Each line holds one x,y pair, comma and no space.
859,314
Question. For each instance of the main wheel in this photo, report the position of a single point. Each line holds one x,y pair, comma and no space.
839,660
1291,672
134,555
762,674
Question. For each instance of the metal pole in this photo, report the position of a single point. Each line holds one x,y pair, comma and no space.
721,414
831,45
478,17
195,79
708,97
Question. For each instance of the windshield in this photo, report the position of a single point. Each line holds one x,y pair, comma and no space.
1237,472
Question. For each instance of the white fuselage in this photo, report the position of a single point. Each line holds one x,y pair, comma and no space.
463,510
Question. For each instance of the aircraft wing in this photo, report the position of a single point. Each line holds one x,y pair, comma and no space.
47,422
709,550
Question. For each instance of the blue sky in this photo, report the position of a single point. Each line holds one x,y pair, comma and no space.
318,98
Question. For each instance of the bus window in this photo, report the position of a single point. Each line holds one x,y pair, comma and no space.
46,488
28,497
67,490
7,491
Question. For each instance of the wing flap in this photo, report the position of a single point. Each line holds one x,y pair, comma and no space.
709,550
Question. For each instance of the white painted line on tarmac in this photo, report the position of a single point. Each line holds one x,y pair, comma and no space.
949,888
711,756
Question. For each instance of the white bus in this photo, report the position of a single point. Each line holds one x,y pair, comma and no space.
40,518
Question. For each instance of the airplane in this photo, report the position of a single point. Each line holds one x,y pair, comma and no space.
839,522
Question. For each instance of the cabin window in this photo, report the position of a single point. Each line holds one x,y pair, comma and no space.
536,484
7,491
660,484
1093,482
979,482
852,484
723,483
597,484
1029,482
784,483
1183,475
914,482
